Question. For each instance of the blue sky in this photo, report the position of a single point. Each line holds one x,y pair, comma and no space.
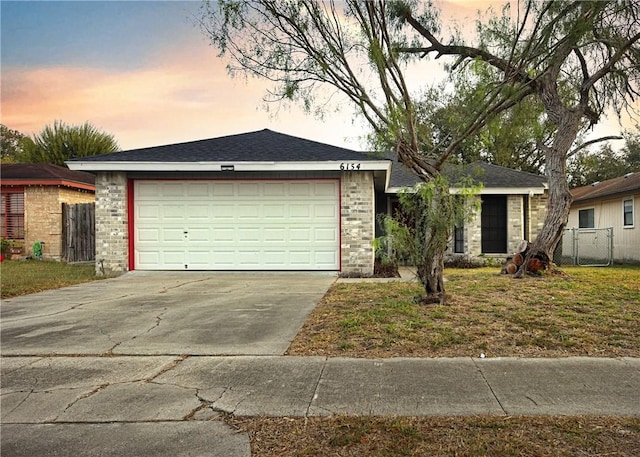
114,34
142,71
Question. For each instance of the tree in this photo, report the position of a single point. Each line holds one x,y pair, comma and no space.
587,167
304,45
577,58
11,144
60,142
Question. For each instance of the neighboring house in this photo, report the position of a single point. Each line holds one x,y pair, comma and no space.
513,208
613,203
32,198
254,201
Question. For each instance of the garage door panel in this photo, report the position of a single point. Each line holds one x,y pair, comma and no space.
251,212
237,225
328,235
297,211
173,211
198,189
168,235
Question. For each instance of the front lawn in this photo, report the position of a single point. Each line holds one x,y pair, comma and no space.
20,277
587,312
540,436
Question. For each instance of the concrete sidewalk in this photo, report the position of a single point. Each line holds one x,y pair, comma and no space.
143,389
168,406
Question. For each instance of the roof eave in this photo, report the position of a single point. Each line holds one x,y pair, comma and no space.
490,190
344,165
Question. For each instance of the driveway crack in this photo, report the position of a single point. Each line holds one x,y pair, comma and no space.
168,367
85,395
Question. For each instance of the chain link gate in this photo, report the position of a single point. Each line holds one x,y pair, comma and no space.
586,247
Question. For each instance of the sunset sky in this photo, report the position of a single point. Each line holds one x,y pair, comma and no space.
144,72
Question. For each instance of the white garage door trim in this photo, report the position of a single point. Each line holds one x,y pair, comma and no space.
237,224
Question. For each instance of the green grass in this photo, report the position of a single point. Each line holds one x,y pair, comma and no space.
21,277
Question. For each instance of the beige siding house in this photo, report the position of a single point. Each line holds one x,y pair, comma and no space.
31,207
615,204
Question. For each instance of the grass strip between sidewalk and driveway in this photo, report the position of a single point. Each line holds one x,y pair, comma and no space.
585,312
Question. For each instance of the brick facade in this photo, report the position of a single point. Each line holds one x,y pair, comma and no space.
537,214
112,234
537,210
358,222
43,216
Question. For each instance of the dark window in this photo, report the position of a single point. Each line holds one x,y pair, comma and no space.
494,224
12,216
586,218
458,240
627,206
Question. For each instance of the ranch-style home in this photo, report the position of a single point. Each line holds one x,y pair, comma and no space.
613,204
268,201
31,206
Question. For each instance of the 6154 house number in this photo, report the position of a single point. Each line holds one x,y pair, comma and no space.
349,166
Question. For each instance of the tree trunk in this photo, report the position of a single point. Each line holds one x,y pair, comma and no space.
560,198
431,275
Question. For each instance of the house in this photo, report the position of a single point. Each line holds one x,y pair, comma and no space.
253,201
513,207
31,206
614,204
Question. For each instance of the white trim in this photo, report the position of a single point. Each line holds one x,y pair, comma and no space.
364,165
633,212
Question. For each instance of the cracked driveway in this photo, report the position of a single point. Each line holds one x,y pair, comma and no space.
85,369
164,313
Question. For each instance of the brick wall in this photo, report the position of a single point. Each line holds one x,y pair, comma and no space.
43,220
515,221
358,222
43,216
112,236
515,224
537,212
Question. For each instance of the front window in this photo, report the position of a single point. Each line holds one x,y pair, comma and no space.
458,238
627,211
586,218
12,216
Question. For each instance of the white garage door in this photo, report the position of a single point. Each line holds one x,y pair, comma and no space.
236,225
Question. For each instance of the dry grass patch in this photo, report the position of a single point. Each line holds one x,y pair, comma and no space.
451,436
588,312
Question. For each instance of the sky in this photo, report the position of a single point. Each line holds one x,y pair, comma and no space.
142,71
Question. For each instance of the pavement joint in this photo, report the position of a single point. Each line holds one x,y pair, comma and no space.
486,381
317,388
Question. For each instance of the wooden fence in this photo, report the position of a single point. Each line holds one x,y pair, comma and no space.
78,232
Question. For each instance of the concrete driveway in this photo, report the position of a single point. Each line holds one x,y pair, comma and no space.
54,366
165,313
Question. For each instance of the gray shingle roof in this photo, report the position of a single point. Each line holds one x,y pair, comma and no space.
260,146
491,176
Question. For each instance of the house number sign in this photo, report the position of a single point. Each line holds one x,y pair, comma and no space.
349,166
